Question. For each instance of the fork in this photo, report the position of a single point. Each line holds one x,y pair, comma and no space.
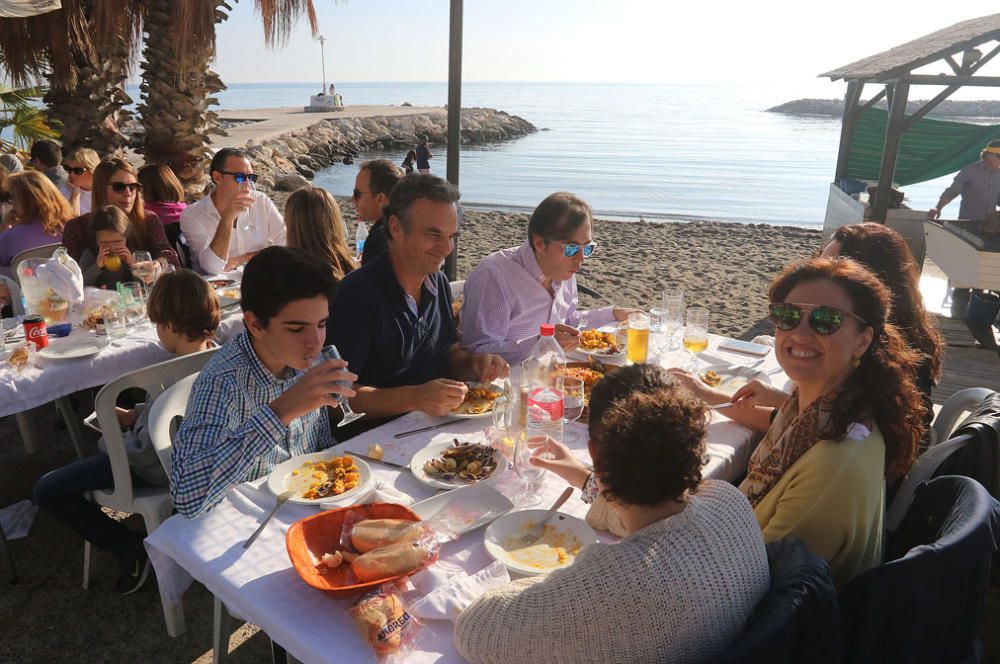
282,499
532,535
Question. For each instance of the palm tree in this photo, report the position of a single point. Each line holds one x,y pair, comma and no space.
26,121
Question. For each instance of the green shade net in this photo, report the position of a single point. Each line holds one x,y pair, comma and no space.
929,149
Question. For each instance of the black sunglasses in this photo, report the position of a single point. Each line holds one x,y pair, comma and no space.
357,194
120,187
241,177
823,320
76,170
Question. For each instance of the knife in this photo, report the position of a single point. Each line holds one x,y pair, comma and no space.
382,461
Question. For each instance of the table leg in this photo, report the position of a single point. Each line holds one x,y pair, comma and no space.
27,429
221,630
72,420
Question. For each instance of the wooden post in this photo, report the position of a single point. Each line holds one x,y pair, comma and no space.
454,116
890,150
851,113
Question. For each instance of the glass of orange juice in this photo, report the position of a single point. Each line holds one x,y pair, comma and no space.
696,332
637,338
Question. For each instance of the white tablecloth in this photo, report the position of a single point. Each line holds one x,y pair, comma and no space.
261,586
50,379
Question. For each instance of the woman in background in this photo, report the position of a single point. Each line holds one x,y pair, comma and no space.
39,212
315,225
80,165
163,194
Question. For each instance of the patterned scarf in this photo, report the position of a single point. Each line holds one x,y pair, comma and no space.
790,436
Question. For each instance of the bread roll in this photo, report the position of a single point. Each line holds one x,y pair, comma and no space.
371,534
388,561
381,620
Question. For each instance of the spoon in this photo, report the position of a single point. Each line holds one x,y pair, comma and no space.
282,499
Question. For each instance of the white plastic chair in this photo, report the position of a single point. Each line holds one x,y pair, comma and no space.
164,418
44,251
957,405
922,471
153,504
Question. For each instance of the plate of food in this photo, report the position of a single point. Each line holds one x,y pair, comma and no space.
73,348
562,540
228,296
479,400
221,282
727,378
590,374
450,464
464,509
321,477
601,344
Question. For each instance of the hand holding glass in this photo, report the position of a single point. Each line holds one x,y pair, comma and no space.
331,353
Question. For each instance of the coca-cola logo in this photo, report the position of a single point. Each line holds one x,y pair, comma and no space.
36,332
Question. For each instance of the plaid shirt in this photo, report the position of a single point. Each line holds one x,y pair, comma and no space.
230,435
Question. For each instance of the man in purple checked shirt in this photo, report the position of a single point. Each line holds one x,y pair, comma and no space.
514,291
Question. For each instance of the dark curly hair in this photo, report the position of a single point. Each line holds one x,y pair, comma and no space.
886,253
882,388
647,436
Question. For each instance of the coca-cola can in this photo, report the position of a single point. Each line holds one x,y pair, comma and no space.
35,332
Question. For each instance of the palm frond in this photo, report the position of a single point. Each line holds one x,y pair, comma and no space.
280,16
28,124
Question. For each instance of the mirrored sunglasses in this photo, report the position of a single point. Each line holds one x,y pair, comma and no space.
571,249
120,187
240,178
823,320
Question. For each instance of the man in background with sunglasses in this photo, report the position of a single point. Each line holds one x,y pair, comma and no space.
227,228
514,291
372,187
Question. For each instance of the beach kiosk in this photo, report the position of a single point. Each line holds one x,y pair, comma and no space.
900,145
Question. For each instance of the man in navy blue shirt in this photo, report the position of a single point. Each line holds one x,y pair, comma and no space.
392,318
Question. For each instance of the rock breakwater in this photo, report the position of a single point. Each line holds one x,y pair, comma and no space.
983,108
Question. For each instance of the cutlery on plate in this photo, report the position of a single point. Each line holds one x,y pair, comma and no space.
532,535
717,406
282,499
404,434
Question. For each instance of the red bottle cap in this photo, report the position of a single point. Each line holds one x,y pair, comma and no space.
548,330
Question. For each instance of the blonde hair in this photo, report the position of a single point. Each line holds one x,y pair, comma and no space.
36,197
316,226
89,158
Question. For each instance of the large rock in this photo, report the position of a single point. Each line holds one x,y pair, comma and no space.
290,182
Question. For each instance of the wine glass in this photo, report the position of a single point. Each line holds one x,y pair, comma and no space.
572,389
530,474
696,333
142,266
246,225
331,353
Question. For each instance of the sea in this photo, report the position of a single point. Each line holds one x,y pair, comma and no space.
656,151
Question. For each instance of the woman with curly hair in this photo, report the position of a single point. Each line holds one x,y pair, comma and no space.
688,572
40,213
885,252
852,422
116,183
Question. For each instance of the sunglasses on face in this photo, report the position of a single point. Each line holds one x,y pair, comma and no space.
240,178
120,187
76,170
823,320
357,194
571,249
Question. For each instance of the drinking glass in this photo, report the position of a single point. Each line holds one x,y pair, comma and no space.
133,302
331,353
573,402
530,474
696,333
245,222
115,325
637,338
143,267
673,316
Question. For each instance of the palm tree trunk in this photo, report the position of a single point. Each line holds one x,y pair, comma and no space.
177,88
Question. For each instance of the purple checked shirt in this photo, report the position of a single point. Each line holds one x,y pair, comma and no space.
505,302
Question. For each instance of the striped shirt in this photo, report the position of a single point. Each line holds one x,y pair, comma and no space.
230,434
505,303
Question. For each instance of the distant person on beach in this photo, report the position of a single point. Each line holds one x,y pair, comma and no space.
514,291
232,224
408,162
46,156
392,318
424,157
372,186
333,90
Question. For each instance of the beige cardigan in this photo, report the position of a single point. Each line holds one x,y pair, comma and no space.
679,590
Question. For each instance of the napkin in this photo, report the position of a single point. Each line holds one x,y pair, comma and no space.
448,601
379,492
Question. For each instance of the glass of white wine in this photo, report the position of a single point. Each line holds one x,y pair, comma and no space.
696,333
143,267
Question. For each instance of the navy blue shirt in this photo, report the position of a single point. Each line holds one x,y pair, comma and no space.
382,340
423,157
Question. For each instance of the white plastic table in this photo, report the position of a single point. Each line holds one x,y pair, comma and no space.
260,585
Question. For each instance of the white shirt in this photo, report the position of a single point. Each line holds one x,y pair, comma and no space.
85,197
256,229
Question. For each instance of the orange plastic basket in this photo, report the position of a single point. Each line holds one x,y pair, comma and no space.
309,538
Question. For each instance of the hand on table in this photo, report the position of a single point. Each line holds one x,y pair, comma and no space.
558,459
757,393
621,313
567,337
440,396
236,261
315,389
487,367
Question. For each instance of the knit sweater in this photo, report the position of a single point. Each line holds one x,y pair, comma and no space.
832,498
678,590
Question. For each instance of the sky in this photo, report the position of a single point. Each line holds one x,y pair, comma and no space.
768,42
